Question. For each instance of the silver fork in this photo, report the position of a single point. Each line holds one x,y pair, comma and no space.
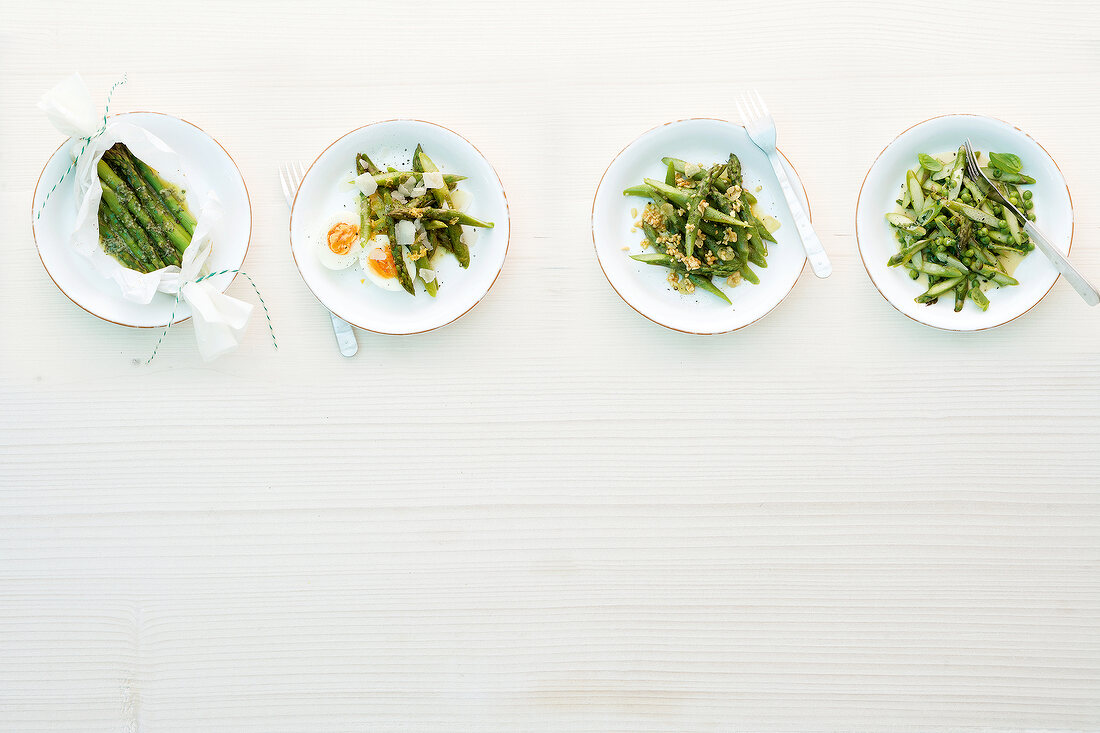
761,128
291,175
1083,287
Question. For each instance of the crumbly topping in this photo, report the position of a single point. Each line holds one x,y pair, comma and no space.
652,216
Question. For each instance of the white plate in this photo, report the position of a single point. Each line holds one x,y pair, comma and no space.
324,193
212,168
881,187
644,287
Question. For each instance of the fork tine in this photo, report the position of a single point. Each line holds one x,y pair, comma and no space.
741,112
763,105
301,171
283,180
971,160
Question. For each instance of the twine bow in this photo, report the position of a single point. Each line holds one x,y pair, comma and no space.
179,295
72,120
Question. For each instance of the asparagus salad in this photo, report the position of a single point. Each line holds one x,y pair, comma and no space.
408,221
700,224
952,234
144,222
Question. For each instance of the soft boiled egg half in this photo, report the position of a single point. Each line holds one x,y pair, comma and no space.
376,259
342,246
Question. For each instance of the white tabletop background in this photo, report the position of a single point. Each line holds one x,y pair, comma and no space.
527,521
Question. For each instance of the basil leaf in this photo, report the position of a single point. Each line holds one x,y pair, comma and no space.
1007,162
929,163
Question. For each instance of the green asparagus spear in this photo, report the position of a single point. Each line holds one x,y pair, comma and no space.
115,245
695,206
129,199
151,256
123,166
393,179
450,216
706,284
168,193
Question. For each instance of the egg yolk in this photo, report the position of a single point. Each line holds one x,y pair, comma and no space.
342,237
384,268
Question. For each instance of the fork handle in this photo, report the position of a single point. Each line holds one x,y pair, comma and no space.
345,337
815,251
1083,287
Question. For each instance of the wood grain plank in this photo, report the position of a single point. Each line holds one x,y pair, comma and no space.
264,544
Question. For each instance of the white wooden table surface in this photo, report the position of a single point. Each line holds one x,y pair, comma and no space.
871,525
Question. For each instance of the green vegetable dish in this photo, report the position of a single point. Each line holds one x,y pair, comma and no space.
700,224
953,234
407,221
144,222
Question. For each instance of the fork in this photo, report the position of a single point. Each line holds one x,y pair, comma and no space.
1083,287
291,175
761,128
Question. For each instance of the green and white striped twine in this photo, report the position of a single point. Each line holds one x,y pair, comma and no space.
172,318
87,142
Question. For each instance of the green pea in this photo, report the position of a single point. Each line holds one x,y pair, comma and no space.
913,274
1027,195
970,252
1028,203
985,239
984,230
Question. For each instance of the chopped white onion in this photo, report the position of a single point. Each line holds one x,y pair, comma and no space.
690,169
406,232
366,184
461,199
433,180
398,197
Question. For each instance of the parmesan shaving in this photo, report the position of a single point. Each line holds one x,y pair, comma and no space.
366,184
406,232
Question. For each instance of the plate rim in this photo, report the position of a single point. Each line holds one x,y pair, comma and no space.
34,231
595,247
507,241
859,198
